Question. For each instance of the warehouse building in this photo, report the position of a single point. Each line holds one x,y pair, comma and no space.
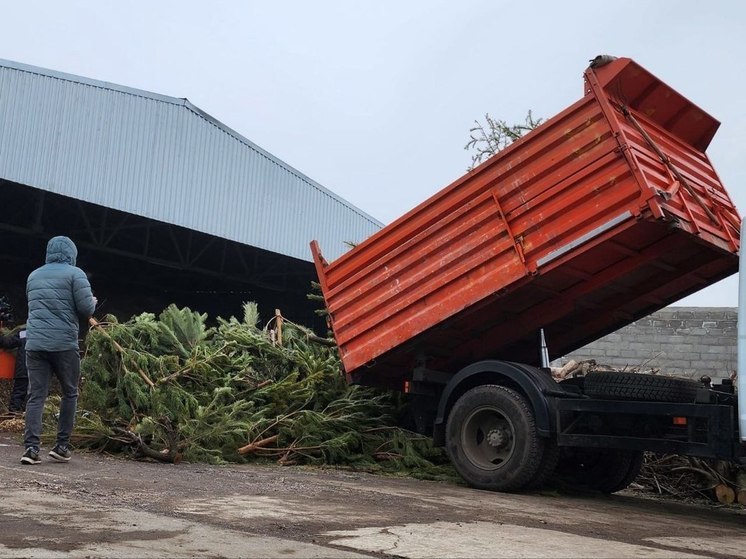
165,203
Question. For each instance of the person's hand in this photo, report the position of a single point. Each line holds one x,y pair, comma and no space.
95,301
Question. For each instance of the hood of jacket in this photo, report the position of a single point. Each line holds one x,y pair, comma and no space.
61,250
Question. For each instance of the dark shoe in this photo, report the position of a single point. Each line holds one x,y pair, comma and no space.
30,457
60,453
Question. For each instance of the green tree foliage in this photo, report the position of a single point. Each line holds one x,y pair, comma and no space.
488,138
171,388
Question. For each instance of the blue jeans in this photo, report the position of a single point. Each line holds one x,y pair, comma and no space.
41,365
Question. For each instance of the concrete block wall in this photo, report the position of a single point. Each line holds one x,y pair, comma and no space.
685,341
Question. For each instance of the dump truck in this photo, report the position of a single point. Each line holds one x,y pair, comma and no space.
600,216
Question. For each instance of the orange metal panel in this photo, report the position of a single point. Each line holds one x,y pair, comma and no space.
7,364
578,228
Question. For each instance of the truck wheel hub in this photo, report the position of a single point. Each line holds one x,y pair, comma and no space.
498,438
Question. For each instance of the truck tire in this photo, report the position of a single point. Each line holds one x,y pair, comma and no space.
599,469
547,467
635,465
641,387
491,439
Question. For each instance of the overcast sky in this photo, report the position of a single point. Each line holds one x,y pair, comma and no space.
374,99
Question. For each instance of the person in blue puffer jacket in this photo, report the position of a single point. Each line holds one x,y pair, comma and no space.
58,294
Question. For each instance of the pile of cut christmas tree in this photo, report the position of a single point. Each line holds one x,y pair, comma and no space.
172,388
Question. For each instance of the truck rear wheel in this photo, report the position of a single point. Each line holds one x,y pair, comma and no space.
491,439
547,467
599,469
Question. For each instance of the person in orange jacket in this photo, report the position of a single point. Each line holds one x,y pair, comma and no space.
15,341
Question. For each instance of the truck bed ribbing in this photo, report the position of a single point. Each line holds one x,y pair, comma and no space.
605,213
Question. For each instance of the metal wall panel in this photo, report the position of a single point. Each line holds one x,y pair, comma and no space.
165,159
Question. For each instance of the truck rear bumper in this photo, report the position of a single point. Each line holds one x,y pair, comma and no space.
706,430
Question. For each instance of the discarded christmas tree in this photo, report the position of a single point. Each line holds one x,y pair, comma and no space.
171,388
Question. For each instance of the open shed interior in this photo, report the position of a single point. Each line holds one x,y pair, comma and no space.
136,264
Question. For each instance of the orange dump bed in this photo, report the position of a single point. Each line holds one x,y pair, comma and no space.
602,215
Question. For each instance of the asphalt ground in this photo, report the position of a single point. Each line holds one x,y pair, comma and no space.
104,506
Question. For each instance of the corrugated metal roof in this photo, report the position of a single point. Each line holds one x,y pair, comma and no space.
163,158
